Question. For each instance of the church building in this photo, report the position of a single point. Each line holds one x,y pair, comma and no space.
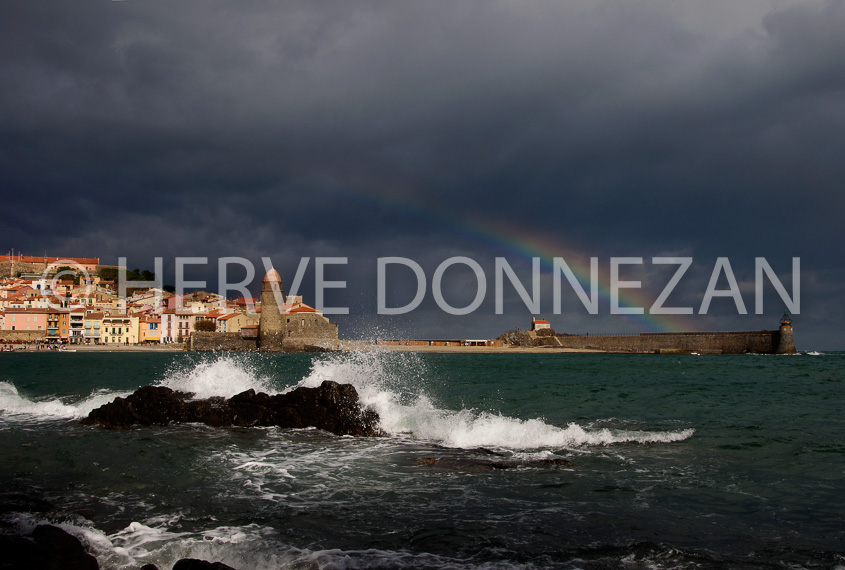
288,324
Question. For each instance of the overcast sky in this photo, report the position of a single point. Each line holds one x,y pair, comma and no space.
431,129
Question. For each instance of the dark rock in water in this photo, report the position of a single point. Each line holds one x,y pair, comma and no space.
194,564
47,548
149,567
331,407
20,503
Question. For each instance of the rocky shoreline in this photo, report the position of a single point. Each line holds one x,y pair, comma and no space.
332,407
45,545
50,547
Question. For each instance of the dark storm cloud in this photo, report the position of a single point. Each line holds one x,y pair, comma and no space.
212,127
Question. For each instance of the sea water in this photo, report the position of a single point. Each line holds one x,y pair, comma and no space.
670,461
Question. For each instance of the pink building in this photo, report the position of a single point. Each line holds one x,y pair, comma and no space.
25,320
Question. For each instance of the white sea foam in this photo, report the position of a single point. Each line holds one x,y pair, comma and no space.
221,375
250,546
138,544
13,405
406,412
11,402
467,429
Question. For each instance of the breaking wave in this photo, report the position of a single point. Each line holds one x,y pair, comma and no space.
219,375
15,406
393,384
406,410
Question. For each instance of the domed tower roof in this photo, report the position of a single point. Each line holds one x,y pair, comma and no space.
272,281
273,275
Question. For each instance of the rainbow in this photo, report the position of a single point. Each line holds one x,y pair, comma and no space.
527,243
507,240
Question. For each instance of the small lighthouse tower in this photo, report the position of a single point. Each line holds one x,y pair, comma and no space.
786,344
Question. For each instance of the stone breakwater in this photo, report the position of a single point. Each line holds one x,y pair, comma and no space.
736,342
332,407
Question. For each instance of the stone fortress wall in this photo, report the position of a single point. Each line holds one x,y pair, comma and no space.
217,341
23,336
730,342
14,265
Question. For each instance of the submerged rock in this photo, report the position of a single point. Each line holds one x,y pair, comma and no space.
47,548
331,407
21,503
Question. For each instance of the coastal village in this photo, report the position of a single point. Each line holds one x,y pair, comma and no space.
42,308
36,308
47,305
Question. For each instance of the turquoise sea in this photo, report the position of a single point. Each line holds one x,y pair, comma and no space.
676,461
